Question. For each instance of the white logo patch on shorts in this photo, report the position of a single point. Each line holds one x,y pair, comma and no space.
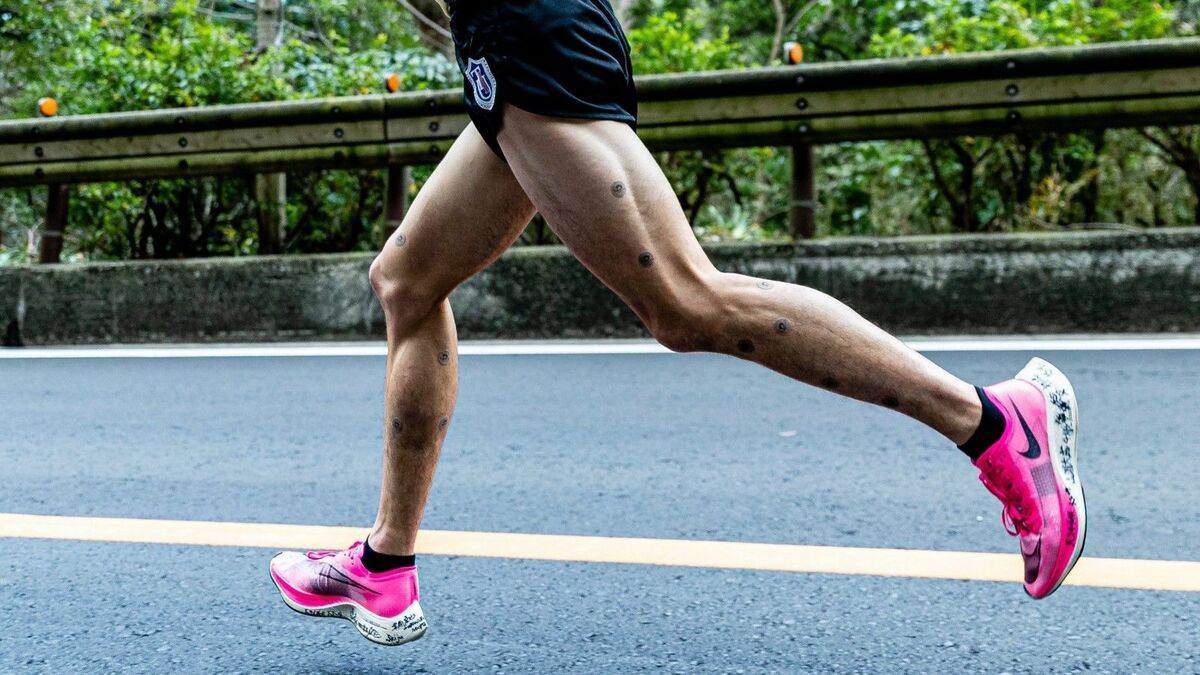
483,82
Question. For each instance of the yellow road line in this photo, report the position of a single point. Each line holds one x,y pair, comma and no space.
1161,575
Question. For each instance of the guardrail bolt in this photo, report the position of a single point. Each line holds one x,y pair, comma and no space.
802,129
434,126
183,164
1014,116
338,133
1012,90
1011,65
435,151
39,172
430,103
183,142
39,152
800,79
179,121
336,110
802,104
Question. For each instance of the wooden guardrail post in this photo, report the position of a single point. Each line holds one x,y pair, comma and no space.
802,215
270,189
58,204
802,208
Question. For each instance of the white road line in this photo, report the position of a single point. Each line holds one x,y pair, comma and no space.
1049,343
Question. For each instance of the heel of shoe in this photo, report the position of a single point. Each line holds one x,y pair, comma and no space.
409,626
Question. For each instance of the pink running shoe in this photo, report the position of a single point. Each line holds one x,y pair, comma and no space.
383,607
1034,470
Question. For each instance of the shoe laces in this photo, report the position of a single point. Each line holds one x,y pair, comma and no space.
998,479
352,552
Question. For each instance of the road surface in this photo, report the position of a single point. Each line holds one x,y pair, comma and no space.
656,446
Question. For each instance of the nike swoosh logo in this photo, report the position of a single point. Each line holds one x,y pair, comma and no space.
1035,448
341,582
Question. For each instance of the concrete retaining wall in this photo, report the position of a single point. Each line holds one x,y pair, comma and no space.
1110,282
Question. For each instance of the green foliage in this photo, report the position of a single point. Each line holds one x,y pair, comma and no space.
112,55
150,55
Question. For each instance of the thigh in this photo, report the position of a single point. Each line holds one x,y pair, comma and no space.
605,196
469,212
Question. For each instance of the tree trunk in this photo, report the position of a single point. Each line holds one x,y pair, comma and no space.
433,25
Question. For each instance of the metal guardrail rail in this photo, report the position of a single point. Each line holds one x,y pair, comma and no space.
1112,85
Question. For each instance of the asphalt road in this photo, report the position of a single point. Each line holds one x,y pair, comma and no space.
664,446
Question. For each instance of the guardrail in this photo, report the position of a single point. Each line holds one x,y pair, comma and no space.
1099,86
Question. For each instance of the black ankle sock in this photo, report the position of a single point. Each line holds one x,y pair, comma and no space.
991,428
377,562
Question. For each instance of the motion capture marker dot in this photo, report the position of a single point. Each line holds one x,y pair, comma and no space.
646,259
782,326
618,190
444,358
400,239
765,285
831,383
745,346
891,402
339,133
183,142
1012,89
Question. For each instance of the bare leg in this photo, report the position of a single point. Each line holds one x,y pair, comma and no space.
471,210
607,199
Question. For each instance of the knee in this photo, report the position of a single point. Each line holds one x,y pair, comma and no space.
402,300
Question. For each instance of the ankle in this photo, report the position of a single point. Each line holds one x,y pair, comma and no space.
387,542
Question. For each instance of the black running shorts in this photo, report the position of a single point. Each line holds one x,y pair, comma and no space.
560,58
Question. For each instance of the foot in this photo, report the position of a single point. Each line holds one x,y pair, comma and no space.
383,607
1034,470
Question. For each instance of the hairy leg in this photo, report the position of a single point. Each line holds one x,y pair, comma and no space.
469,212
606,198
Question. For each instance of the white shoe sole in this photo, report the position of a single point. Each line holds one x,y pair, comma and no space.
1062,417
409,626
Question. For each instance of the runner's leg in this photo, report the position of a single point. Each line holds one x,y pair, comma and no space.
468,213
605,196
